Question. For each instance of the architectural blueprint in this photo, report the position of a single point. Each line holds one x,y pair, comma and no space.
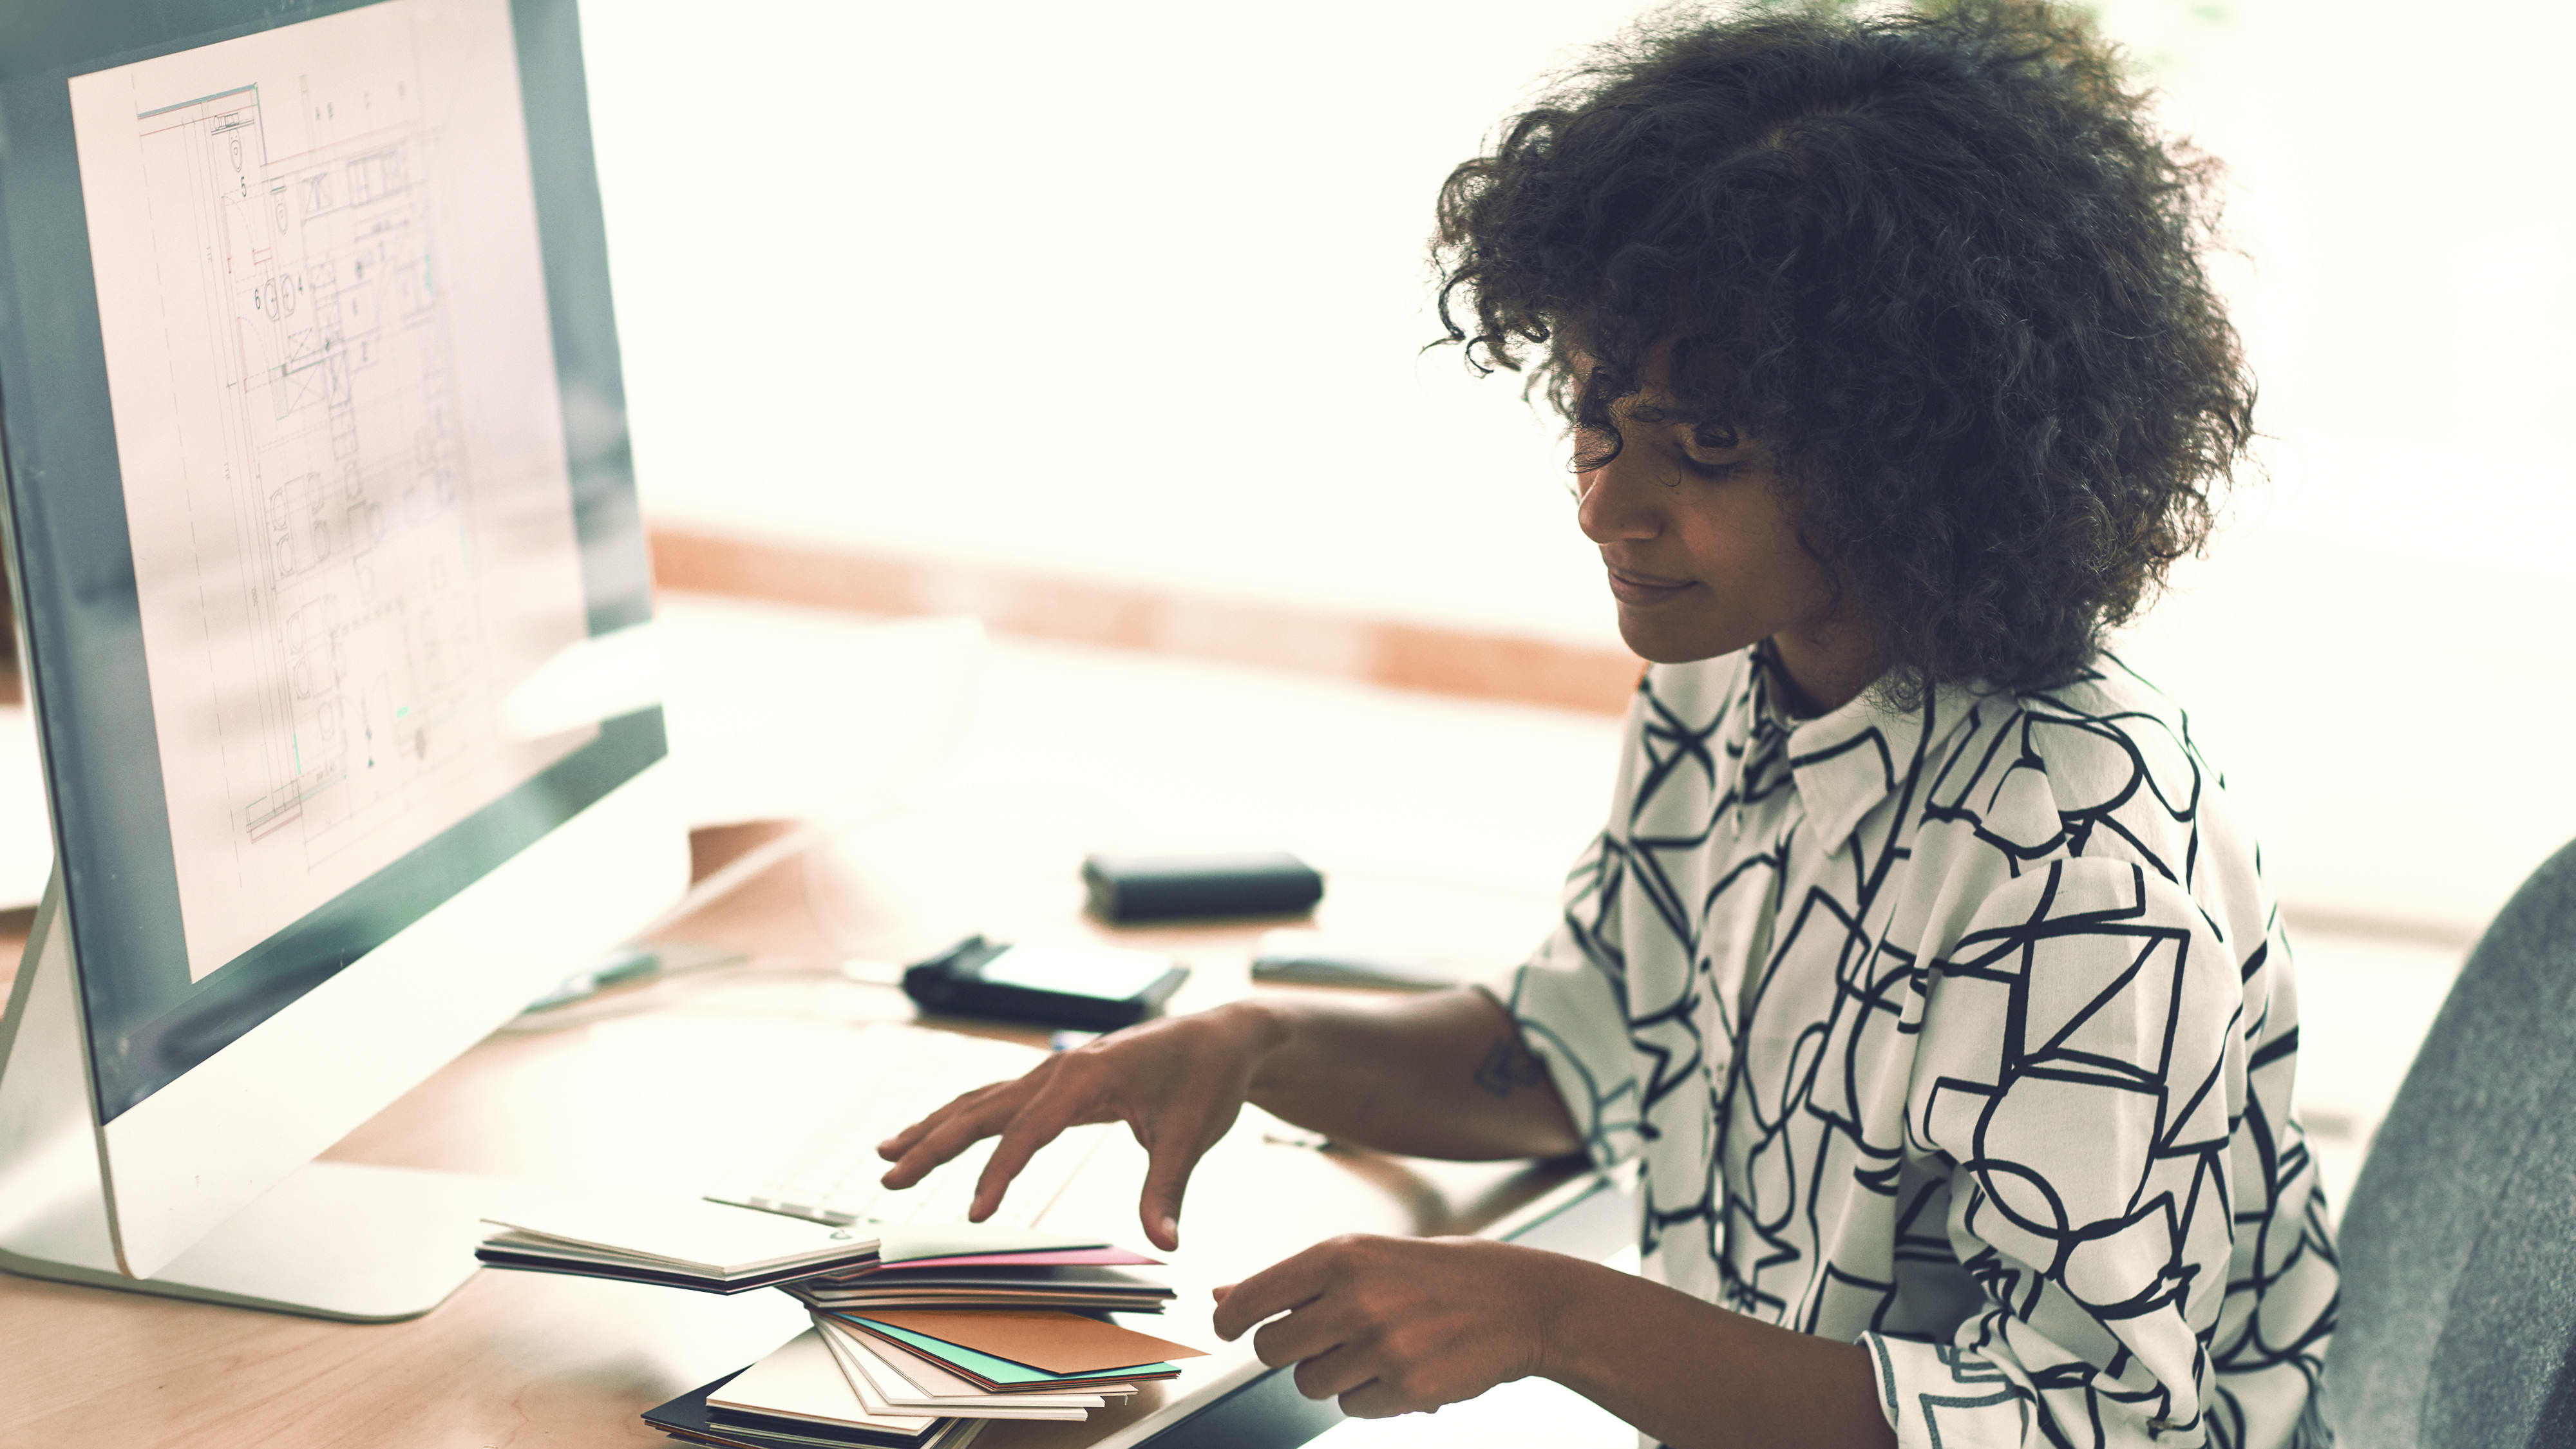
343,427
365,559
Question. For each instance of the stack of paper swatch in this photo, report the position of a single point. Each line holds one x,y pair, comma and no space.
911,1273
920,1379
984,1364
920,1334
679,1243
797,1398
988,1333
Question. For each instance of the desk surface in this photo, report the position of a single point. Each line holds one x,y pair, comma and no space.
652,1098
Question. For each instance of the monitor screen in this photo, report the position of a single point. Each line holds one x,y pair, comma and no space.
307,476
315,256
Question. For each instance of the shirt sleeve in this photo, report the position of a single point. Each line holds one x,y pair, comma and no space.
2082,1067
1570,1003
1570,999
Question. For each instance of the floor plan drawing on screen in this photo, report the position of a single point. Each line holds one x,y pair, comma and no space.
368,548
342,444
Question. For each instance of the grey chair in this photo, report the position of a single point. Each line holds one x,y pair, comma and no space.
2459,1245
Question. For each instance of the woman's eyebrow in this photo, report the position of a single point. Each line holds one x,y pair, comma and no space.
1653,415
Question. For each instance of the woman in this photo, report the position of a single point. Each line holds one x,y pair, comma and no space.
1923,961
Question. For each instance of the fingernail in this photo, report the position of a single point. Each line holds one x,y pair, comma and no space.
1172,1229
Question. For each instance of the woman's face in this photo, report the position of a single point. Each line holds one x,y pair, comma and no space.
1698,543
1704,558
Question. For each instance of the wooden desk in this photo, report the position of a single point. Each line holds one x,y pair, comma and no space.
652,1098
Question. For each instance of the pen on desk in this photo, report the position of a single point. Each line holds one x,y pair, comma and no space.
625,965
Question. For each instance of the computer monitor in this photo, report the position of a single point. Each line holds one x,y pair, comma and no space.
315,450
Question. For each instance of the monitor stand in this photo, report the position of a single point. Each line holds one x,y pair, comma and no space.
342,1240
334,1240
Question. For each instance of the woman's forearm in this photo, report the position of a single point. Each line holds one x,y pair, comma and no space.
1698,1376
1442,1075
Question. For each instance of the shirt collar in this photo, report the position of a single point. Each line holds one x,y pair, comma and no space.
1850,758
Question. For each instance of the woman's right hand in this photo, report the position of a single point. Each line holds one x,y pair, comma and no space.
1177,1083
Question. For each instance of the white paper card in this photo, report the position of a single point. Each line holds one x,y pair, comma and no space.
800,1380
687,1232
903,1244
871,1379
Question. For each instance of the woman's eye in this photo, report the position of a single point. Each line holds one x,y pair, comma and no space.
1710,438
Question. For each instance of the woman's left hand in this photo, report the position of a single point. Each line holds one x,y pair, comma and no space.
1400,1325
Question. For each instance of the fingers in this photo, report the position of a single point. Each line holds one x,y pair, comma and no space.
1311,1313
945,1133
1312,1330
1272,1291
1334,1373
1172,1155
1034,1127
1378,1399
904,1141
1332,1363
901,1142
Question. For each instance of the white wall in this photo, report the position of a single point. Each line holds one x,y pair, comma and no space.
1135,290
2383,645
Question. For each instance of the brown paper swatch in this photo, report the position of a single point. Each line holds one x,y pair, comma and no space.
1055,1342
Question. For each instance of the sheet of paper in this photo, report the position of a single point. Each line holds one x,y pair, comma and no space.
919,1381
988,1371
907,1244
860,1369
999,1372
1078,1280
1056,1342
801,1380
903,1248
685,1231
556,1249
982,1273
871,1397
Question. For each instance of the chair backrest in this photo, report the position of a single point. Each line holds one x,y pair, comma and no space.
2459,1245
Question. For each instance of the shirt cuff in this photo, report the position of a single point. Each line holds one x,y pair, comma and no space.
1936,1396
1572,1021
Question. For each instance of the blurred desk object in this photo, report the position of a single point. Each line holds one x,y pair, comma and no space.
646,1085
26,840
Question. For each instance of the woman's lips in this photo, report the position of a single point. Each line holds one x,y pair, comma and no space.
1644,589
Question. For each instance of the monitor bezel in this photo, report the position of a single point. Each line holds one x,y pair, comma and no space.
80,625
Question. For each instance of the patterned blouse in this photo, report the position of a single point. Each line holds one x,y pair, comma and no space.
1965,1034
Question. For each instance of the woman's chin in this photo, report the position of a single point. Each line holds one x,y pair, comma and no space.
1658,641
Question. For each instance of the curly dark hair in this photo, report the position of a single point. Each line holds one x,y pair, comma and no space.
1941,264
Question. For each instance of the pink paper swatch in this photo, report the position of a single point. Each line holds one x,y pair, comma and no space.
1044,1258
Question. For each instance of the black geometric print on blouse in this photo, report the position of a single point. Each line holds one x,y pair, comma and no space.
1972,769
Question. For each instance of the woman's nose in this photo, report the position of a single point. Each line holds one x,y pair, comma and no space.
1610,507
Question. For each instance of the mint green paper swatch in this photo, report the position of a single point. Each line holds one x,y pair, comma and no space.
999,1370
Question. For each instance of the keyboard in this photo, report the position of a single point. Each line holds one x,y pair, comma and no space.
817,1157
